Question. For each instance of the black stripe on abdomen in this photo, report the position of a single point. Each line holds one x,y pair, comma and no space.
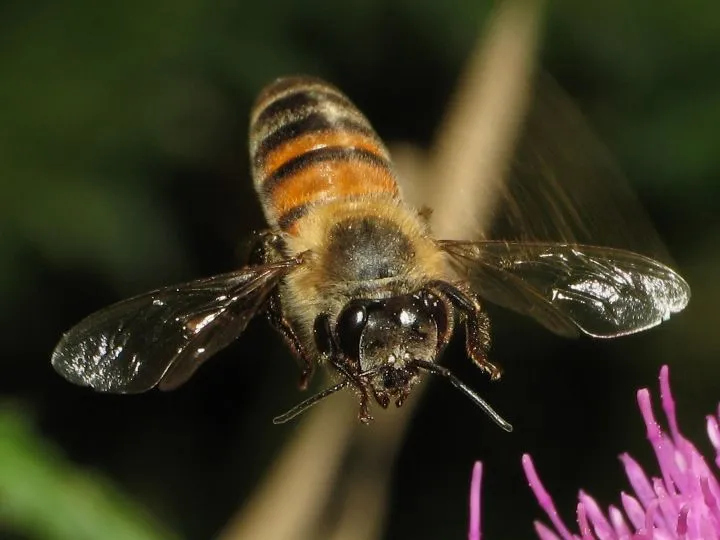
329,153
315,122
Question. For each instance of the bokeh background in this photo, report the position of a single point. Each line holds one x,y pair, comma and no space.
123,167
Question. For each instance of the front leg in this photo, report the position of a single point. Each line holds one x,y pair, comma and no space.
268,247
477,341
328,345
477,325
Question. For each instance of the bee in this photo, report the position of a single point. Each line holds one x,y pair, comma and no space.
353,279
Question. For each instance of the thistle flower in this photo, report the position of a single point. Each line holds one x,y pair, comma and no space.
682,503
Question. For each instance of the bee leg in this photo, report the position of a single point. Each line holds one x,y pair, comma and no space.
364,414
277,319
477,325
328,345
477,332
383,398
266,248
401,398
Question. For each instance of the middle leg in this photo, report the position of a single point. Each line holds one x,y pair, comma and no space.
268,247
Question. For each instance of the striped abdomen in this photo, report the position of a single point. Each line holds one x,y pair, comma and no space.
309,146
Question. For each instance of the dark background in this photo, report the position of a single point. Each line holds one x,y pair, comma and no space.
123,167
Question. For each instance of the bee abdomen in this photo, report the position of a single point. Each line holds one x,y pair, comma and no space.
309,146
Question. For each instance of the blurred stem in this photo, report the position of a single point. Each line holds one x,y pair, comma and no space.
470,155
475,142
289,503
365,502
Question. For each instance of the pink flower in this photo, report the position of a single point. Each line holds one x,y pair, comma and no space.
475,482
682,503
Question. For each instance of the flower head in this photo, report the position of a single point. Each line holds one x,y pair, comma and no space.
683,502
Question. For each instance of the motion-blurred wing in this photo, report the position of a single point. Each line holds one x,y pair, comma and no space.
561,185
602,292
163,336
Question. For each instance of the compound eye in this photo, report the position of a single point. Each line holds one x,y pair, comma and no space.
437,309
350,325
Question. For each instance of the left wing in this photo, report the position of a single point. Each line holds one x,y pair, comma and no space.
598,291
162,337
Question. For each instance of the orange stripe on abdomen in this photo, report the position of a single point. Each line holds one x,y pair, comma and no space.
328,182
309,145
307,142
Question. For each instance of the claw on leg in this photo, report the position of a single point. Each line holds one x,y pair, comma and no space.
477,326
364,414
306,374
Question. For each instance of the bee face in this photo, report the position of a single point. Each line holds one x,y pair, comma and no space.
382,340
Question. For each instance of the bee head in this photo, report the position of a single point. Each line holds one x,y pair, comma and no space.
382,340
382,346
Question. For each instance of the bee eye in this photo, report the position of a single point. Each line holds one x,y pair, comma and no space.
323,336
437,310
350,324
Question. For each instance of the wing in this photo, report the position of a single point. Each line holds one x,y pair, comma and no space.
163,336
561,185
601,292
564,185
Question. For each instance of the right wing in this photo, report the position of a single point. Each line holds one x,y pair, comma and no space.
571,289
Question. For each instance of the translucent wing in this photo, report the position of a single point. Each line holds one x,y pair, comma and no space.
163,336
601,292
564,186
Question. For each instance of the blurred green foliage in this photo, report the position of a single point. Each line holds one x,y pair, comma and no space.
42,495
122,161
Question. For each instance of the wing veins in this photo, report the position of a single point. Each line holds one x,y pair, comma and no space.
135,344
602,292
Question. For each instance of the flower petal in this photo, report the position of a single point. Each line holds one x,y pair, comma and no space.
661,443
668,510
634,510
618,522
543,497
668,402
585,532
600,524
475,531
544,533
714,436
639,482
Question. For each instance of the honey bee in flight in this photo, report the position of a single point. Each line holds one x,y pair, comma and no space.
353,279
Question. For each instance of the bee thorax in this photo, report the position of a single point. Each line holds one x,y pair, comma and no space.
366,248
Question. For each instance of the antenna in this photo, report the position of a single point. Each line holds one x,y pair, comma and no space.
305,405
465,389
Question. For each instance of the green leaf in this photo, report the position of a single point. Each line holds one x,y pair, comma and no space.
42,495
